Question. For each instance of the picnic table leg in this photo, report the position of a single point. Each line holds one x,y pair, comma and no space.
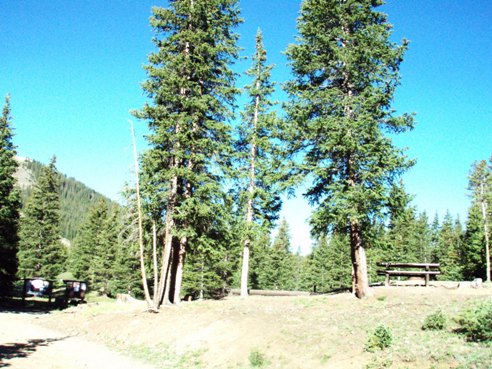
387,280
24,291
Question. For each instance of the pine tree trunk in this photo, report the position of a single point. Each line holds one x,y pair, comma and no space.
359,262
202,277
244,271
249,220
154,258
179,270
163,296
167,289
249,215
486,230
179,251
360,280
140,226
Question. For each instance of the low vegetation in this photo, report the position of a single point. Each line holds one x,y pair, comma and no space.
476,322
329,331
257,359
380,339
435,321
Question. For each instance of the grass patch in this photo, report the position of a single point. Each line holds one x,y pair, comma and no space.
257,359
162,356
477,360
380,339
325,357
379,363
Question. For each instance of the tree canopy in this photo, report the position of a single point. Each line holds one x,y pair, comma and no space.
345,72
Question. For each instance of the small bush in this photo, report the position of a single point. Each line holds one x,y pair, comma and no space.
435,321
380,339
257,359
476,322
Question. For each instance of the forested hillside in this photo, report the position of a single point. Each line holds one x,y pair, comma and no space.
75,198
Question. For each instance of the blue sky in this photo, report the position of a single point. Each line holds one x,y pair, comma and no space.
74,68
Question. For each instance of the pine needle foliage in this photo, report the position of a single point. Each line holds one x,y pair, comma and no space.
93,256
9,202
191,87
41,253
345,72
480,186
258,162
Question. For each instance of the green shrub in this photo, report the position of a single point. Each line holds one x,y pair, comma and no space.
380,339
257,359
435,321
476,322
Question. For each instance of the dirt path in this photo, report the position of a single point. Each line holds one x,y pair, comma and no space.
24,345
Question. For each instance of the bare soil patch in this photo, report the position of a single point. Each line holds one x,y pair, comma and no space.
326,331
26,345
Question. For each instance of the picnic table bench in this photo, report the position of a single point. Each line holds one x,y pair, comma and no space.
394,269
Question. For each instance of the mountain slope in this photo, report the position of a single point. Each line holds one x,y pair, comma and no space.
76,198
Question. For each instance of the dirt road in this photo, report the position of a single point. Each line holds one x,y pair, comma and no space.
24,345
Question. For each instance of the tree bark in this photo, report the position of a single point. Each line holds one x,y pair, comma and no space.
359,262
180,260
200,295
244,271
168,240
249,214
484,206
154,258
140,226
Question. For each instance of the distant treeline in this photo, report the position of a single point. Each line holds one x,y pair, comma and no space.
75,199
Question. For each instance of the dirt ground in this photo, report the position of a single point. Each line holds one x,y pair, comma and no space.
327,331
26,345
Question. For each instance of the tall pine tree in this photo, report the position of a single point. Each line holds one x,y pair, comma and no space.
402,244
41,253
345,73
449,248
330,264
95,250
192,89
256,146
9,203
473,257
278,265
481,188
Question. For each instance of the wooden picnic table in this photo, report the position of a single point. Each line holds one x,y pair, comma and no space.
394,269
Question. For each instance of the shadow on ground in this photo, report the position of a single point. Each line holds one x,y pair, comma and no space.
17,306
11,351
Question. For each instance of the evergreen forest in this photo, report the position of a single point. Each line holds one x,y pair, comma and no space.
201,217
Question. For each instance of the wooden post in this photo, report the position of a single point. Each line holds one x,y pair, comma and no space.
387,280
427,276
50,291
24,290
